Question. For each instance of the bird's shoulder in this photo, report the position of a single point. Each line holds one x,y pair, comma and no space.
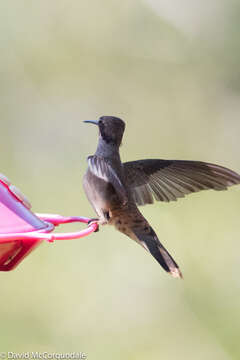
107,170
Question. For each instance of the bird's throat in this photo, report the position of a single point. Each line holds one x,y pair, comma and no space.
107,150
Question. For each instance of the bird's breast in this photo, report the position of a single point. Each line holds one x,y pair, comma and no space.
100,193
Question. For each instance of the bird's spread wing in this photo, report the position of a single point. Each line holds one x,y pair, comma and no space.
167,180
103,170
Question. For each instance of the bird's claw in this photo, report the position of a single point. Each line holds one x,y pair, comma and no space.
94,221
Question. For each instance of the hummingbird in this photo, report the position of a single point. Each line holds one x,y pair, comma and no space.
116,189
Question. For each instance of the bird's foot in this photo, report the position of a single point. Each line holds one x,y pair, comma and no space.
100,221
94,221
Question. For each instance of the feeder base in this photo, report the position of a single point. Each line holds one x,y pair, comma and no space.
13,252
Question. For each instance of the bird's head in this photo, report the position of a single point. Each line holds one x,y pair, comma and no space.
111,129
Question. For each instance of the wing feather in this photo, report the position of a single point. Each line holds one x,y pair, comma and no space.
168,180
102,169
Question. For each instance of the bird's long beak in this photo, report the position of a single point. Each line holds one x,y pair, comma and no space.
95,122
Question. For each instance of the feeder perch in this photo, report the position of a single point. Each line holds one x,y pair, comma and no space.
21,231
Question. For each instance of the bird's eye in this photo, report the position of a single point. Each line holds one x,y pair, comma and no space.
100,121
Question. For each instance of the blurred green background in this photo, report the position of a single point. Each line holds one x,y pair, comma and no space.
171,71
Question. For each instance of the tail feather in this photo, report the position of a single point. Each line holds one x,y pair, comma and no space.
149,240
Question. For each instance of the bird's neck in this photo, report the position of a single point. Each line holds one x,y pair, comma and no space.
107,150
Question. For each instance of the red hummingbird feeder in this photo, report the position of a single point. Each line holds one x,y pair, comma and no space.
21,231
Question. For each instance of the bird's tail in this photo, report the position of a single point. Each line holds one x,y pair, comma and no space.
149,240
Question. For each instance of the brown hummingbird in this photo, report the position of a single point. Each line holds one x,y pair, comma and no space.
115,189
